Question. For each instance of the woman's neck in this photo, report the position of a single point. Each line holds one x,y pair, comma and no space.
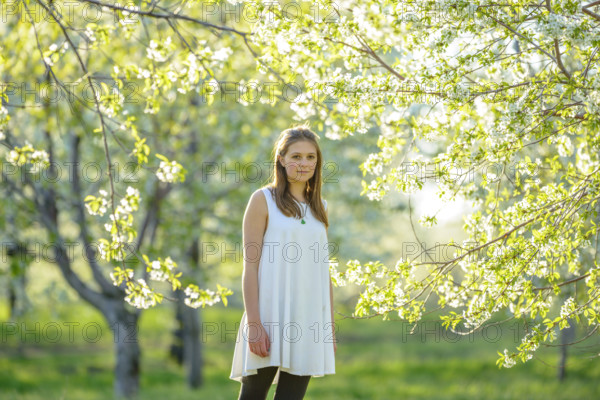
297,190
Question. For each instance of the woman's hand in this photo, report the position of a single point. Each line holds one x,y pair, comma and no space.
258,339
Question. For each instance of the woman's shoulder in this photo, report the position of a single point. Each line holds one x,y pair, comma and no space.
260,191
268,189
260,195
258,202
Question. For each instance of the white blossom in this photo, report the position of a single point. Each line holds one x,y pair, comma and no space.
90,34
222,55
508,361
567,308
167,171
144,299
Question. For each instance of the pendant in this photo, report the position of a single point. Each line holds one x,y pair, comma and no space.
303,221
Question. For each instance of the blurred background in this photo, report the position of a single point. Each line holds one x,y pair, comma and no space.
56,346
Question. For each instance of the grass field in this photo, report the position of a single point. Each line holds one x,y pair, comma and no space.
375,360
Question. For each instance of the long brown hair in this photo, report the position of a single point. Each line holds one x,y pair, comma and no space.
280,185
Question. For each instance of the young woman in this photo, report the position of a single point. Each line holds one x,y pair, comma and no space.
287,331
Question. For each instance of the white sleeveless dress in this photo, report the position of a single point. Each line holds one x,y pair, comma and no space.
294,302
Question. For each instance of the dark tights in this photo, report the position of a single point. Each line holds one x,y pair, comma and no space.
289,386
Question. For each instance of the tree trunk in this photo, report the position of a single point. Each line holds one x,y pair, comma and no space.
124,325
187,347
566,336
176,349
17,279
192,346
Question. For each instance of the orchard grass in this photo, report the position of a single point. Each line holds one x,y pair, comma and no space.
375,360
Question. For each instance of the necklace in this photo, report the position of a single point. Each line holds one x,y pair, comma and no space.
304,213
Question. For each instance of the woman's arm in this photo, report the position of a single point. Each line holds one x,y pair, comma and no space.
255,222
331,301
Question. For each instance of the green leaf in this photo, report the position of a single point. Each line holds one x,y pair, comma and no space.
165,159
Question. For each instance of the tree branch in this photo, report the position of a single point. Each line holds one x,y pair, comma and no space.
559,59
47,213
589,63
372,53
521,36
107,287
590,13
167,16
100,114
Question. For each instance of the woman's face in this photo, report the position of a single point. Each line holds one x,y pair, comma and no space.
300,161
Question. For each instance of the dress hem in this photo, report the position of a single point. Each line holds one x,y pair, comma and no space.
238,378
